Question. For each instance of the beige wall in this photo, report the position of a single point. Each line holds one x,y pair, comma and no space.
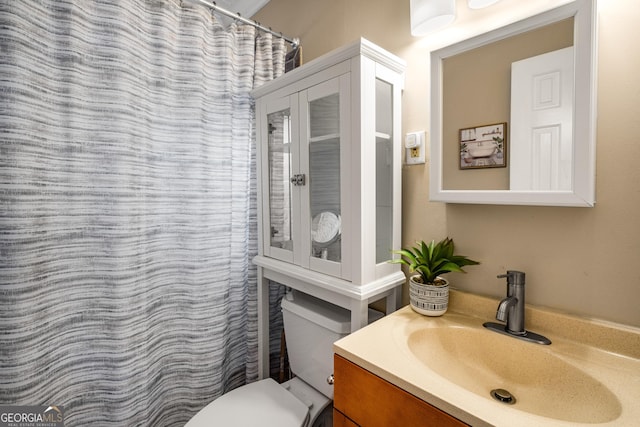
579,260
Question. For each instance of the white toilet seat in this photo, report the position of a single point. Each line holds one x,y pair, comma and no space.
263,403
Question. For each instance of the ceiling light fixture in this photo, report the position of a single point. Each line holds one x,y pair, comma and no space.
430,15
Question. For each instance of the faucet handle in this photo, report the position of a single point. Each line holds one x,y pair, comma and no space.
513,277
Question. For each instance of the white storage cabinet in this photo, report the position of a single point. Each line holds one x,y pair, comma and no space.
329,181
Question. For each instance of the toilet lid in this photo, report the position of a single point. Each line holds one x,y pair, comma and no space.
263,403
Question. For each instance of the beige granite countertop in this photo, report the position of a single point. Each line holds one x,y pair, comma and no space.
608,353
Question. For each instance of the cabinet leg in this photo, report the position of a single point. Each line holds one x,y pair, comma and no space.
359,315
263,325
393,299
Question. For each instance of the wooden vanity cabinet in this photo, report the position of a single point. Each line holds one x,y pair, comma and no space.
341,420
364,399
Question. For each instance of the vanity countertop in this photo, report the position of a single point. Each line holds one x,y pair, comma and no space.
608,354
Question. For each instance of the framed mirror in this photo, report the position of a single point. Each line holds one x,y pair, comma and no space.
513,113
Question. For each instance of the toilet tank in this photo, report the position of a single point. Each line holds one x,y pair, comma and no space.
311,327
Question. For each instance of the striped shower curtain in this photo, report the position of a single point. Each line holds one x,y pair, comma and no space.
127,207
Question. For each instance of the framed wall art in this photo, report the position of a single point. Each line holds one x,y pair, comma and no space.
483,146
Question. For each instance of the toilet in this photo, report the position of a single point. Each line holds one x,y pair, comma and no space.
311,327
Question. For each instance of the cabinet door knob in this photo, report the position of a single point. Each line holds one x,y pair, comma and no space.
330,379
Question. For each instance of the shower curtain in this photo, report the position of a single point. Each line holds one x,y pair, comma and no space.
127,207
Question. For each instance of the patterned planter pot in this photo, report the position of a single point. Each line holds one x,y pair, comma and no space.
429,300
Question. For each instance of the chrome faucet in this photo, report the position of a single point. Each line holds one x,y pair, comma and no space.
505,307
511,311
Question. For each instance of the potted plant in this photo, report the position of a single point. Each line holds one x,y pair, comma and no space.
428,291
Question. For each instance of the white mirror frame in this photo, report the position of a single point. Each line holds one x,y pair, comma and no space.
584,144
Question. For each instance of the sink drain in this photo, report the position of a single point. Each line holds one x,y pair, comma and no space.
502,395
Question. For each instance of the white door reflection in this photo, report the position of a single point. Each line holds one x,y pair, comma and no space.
542,122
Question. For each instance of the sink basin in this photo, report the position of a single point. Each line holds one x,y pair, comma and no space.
542,383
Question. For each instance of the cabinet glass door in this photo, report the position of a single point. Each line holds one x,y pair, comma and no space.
324,174
280,174
384,170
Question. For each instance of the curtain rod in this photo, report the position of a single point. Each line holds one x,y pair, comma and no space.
294,42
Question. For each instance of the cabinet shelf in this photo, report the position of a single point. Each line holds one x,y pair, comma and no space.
322,138
383,136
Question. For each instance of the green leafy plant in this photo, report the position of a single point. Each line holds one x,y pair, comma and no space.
432,260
